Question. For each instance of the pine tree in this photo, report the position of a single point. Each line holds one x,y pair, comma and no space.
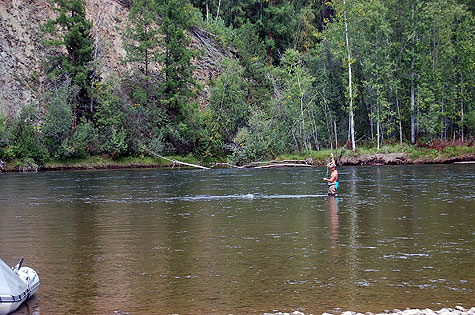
177,81
71,31
141,42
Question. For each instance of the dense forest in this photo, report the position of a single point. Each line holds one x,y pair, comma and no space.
302,76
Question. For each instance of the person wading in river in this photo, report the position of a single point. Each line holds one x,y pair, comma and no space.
333,180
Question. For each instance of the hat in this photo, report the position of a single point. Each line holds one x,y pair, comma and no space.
331,165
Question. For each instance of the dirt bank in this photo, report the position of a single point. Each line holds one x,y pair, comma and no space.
400,159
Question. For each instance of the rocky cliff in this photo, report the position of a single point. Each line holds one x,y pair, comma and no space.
22,53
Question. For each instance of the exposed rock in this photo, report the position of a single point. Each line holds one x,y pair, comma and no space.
22,52
458,310
399,159
2,166
376,159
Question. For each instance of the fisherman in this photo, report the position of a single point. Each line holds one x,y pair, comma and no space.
333,180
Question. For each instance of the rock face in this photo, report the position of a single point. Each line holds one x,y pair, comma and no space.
22,52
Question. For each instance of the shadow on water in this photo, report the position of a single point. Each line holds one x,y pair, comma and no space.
242,241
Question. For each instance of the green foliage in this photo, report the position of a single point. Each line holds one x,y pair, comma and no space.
141,42
3,136
283,25
25,137
110,120
222,34
177,80
84,141
164,97
227,110
253,59
58,122
322,157
27,165
294,105
71,31
260,140
116,145
412,66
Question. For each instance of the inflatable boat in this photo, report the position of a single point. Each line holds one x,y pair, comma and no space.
17,284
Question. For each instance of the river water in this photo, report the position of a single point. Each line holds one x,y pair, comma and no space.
242,241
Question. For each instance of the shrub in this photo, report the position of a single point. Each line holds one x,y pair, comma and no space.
260,140
25,137
84,141
27,165
111,120
116,145
3,136
58,122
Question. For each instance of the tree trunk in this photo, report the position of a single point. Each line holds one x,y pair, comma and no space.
443,130
370,115
231,14
270,35
207,11
302,115
336,134
351,116
217,13
328,118
261,10
413,123
297,143
418,111
462,112
146,69
399,116
378,125
99,17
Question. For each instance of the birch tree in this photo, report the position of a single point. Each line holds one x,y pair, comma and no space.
371,41
340,33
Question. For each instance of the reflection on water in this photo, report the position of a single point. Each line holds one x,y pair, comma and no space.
242,241
333,212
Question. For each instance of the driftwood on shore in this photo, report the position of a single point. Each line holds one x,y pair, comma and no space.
178,162
271,164
286,163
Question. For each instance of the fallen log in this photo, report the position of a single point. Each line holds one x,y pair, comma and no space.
284,165
226,164
176,161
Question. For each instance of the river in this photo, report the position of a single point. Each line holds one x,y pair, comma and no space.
247,241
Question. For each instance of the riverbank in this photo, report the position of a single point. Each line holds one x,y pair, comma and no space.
402,159
388,155
458,310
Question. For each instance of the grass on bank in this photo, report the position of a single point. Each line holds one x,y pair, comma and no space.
319,157
123,162
414,152
322,157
